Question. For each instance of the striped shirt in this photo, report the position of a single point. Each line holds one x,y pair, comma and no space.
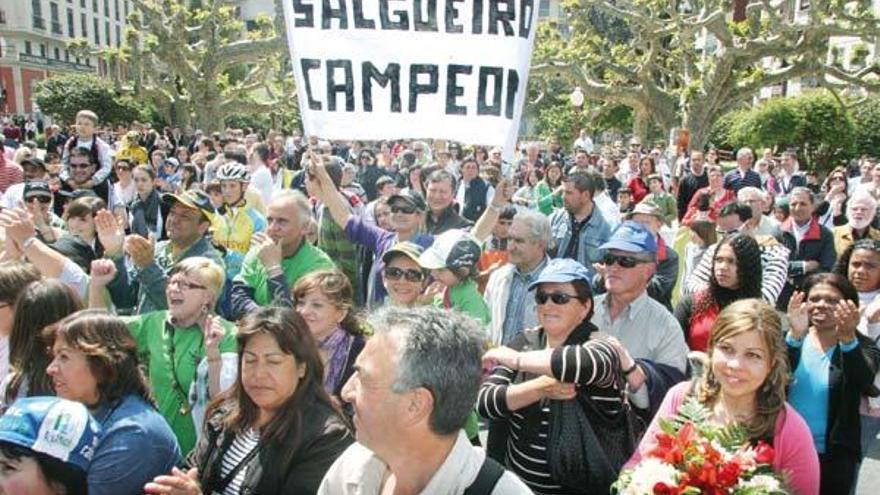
594,366
238,450
10,173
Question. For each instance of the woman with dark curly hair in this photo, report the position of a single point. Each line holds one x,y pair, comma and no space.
95,362
736,274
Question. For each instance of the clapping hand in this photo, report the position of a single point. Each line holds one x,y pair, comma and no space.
798,315
140,250
109,232
847,316
18,225
176,483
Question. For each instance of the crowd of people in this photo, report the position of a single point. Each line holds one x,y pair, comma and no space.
230,313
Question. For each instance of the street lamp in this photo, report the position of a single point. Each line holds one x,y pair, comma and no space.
576,98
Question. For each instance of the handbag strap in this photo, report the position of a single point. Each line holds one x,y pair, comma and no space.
490,472
226,480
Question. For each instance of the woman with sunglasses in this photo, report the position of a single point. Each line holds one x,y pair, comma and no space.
559,361
147,212
833,367
190,354
832,210
736,274
403,277
124,188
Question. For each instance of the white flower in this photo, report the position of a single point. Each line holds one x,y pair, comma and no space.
648,473
763,482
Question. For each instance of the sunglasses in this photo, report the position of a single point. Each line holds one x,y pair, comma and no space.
42,199
623,261
411,274
558,298
406,210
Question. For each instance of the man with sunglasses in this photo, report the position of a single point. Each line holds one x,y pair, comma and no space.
83,175
34,169
642,327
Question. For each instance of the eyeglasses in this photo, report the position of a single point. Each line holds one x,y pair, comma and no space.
558,298
42,199
184,284
406,210
729,232
623,261
411,274
120,169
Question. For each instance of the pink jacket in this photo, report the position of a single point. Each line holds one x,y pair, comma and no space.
794,452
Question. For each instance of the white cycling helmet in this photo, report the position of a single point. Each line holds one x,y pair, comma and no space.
233,171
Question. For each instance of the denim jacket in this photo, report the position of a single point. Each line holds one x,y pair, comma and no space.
595,233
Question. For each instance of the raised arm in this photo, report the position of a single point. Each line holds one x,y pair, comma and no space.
322,185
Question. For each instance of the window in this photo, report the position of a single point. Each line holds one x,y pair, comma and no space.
107,40
84,25
125,5
70,29
82,4
107,8
116,9
28,49
66,55
97,31
544,8
43,50
2,16
57,52
39,21
118,37
56,22
95,6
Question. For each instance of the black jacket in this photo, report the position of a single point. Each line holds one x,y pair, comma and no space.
474,199
689,186
324,436
850,376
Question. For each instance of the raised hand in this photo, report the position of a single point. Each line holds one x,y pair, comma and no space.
798,315
213,335
504,356
102,272
269,252
18,225
109,232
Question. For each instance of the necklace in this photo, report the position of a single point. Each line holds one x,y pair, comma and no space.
170,348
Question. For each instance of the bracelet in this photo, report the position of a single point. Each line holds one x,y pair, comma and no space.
629,370
28,242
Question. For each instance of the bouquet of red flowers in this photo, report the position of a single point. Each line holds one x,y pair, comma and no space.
694,456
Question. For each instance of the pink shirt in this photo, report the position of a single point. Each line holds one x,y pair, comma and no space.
794,452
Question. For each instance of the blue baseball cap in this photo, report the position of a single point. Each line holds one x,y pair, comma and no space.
631,237
560,271
52,426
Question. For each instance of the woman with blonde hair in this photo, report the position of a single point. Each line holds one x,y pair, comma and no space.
745,383
190,352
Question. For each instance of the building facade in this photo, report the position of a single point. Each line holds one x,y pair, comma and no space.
33,42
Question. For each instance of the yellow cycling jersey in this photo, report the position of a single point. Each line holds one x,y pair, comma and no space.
234,229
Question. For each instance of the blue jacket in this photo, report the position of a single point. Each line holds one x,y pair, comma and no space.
136,445
595,233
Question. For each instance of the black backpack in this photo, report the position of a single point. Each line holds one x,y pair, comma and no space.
487,478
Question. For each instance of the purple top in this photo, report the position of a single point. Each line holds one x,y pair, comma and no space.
378,240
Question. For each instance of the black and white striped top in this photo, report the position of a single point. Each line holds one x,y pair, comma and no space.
247,441
593,366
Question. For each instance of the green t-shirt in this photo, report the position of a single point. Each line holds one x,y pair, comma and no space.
306,260
154,347
466,299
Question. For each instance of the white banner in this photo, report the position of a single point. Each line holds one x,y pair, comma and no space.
387,69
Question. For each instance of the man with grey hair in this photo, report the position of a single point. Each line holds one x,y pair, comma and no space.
414,386
759,224
860,212
743,175
278,258
506,292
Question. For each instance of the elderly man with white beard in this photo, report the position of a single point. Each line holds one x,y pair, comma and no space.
860,211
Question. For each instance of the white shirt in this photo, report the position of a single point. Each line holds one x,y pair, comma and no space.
609,209
358,471
799,231
261,180
585,144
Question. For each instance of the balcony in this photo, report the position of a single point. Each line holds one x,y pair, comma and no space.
56,28
52,63
39,22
